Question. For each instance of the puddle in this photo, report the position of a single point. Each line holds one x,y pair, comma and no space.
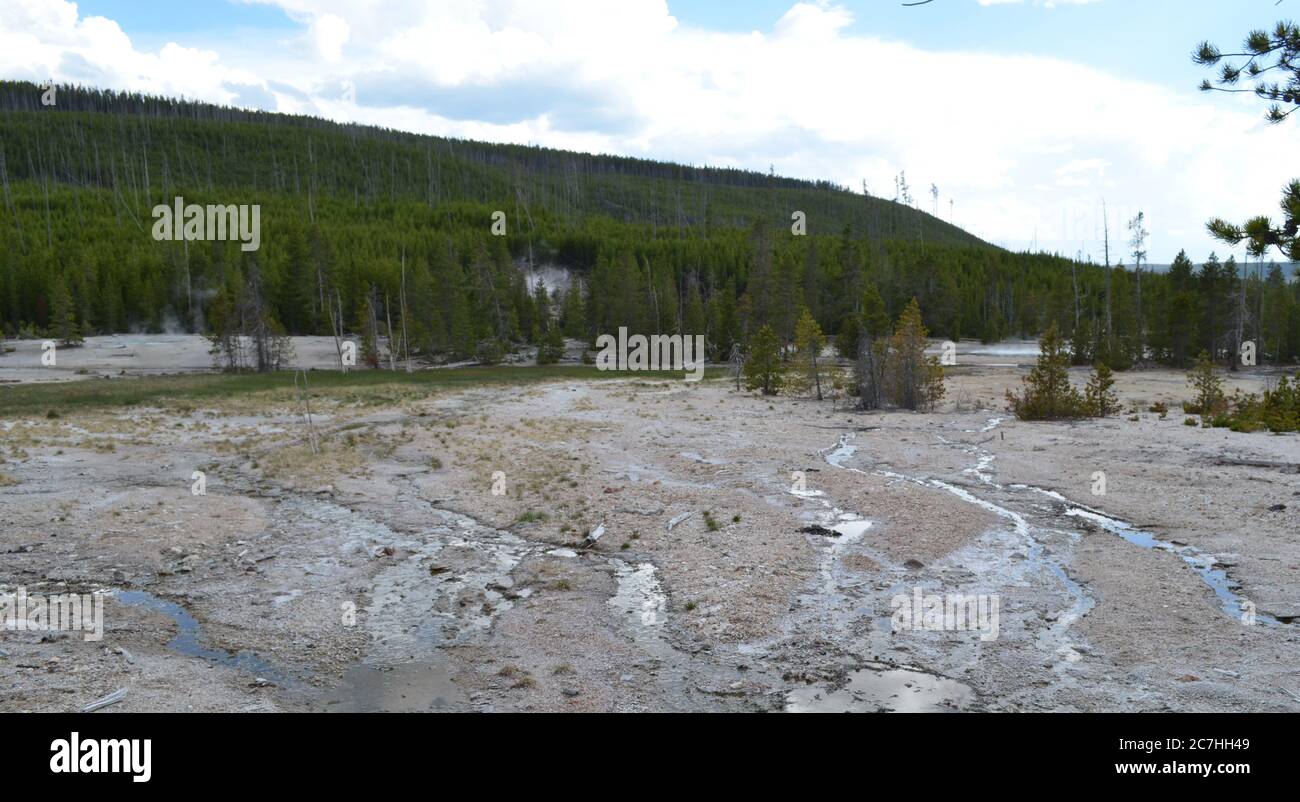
419,687
188,636
851,527
640,599
884,690
1225,588
987,558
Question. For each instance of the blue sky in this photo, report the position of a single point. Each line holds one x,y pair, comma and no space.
1118,35
1026,114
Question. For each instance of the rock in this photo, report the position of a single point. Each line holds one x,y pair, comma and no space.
593,536
816,529
640,511
570,692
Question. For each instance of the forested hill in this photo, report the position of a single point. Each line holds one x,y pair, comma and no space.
94,138
366,230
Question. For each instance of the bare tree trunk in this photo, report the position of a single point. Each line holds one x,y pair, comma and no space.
1074,278
1106,227
406,341
388,315
1240,330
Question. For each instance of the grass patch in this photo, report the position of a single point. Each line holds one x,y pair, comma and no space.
183,392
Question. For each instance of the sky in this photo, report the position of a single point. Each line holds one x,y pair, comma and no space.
1025,115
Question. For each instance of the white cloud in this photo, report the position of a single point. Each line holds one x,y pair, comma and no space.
1081,172
1024,144
329,33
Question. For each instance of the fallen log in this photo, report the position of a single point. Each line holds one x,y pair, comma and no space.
112,699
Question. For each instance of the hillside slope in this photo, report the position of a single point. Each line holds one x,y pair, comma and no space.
361,225
102,139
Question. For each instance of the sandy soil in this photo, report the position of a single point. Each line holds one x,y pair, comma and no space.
430,556
137,355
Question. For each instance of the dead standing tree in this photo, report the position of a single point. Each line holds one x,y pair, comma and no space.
244,332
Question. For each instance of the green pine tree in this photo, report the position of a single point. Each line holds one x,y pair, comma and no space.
63,318
1208,388
1047,392
764,369
912,380
1100,395
809,342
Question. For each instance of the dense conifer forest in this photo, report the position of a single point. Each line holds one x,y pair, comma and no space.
369,231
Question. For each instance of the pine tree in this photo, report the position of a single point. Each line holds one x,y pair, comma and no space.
846,341
1083,344
872,348
1047,392
724,326
1180,320
763,367
540,307
63,318
1099,394
809,342
693,318
1213,285
912,380
551,349
1207,386
573,315
460,323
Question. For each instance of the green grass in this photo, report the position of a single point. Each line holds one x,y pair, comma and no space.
53,399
